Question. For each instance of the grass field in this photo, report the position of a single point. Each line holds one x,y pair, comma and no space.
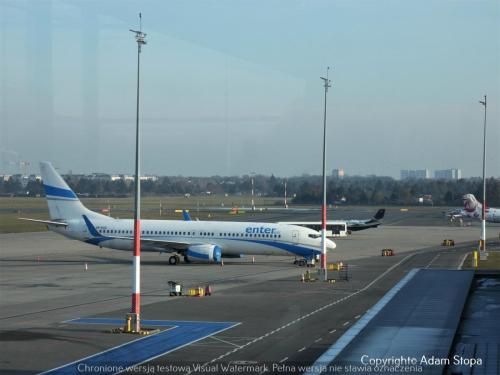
36,208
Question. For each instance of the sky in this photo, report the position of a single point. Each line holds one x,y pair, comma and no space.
233,87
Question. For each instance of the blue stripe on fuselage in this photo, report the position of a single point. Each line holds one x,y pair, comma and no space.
59,192
294,249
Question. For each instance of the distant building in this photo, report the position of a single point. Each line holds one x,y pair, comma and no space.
448,174
415,174
338,173
127,178
99,176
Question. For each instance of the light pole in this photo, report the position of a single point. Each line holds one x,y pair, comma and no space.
286,204
323,216
136,273
253,202
483,255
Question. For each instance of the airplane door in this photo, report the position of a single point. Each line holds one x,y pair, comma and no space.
295,236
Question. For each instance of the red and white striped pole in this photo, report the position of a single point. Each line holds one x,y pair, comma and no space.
136,266
323,216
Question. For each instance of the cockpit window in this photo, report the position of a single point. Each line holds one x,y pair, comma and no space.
314,235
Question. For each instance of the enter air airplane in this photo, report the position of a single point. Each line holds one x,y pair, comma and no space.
205,241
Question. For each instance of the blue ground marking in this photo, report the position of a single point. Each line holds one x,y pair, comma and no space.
146,348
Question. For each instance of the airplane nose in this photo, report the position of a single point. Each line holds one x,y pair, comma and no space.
330,245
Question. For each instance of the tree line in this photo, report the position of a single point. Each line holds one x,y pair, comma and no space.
372,190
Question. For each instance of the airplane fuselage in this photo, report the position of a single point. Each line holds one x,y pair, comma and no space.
234,238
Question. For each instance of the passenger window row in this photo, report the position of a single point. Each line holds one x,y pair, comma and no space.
178,233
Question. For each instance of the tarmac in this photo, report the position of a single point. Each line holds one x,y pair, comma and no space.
273,323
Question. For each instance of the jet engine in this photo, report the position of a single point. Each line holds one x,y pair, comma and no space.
204,253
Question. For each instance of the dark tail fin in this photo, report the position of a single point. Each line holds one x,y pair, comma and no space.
380,214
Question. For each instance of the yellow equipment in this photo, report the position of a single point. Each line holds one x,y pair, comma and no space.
448,242
387,252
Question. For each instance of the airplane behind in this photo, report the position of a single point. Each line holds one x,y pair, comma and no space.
355,225
473,208
205,241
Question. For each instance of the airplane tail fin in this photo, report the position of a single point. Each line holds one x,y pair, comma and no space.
62,201
380,214
185,215
471,204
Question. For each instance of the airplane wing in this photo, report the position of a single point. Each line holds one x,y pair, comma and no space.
47,222
167,245
173,245
455,213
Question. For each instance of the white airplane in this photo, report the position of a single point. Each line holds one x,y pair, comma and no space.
205,241
472,208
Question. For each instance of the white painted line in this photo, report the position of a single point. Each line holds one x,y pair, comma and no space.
432,261
332,331
224,341
301,350
328,356
460,266
357,317
366,287
318,340
346,323
283,360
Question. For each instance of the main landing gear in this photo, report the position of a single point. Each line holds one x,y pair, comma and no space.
174,260
304,262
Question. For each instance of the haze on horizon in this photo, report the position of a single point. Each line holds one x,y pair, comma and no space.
232,87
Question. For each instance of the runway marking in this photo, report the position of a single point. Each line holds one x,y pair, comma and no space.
346,323
432,261
302,349
463,261
357,317
179,334
332,331
224,341
366,287
283,360
328,356
318,340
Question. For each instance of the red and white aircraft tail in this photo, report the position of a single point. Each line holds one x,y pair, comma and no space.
473,208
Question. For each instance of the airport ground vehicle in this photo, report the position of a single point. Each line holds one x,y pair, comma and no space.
334,228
